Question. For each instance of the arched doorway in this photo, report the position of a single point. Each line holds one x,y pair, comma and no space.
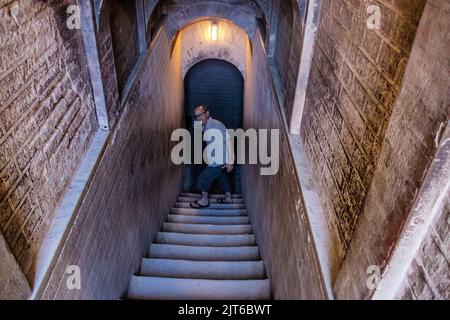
219,85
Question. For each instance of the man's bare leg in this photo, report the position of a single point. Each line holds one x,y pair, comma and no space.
228,197
204,199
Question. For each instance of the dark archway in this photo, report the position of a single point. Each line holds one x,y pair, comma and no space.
219,85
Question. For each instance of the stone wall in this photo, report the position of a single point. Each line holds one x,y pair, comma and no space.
288,49
124,31
133,187
429,275
13,283
356,76
275,202
47,118
422,105
182,12
107,62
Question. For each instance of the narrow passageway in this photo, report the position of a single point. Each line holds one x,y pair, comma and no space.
343,118
211,253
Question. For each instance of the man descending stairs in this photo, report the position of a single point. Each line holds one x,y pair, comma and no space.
203,254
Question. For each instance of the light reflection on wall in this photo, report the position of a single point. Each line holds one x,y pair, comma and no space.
198,43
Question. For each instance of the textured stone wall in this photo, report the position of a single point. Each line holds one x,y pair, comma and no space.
133,187
356,76
288,49
274,202
421,106
107,62
124,31
182,12
47,118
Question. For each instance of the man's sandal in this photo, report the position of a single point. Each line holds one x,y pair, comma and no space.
197,205
223,201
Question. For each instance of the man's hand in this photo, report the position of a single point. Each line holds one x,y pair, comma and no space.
229,167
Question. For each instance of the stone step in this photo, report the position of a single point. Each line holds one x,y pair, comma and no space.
209,212
213,205
216,270
190,199
206,228
211,196
178,218
197,289
198,253
207,240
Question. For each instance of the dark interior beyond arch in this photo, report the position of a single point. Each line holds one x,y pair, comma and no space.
219,85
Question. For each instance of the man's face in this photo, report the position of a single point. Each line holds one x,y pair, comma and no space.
201,115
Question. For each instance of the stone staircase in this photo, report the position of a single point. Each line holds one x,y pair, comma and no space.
203,254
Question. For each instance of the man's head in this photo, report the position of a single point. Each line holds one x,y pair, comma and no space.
201,113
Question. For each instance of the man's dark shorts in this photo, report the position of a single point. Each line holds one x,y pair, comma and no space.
207,177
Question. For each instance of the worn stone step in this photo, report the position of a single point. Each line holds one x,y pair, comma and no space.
208,240
190,199
197,289
213,205
211,196
217,270
178,218
206,228
209,212
182,252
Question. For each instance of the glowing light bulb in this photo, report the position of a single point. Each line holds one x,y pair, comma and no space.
214,31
